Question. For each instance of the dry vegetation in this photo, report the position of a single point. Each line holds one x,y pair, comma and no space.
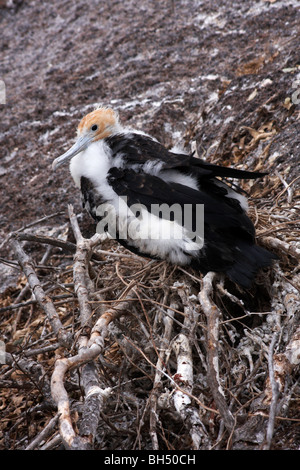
107,350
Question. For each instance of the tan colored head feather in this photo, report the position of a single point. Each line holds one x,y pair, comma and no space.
104,118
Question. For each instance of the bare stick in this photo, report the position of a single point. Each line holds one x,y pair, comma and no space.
88,350
212,315
93,401
54,442
31,224
80,269
165,344
64,245
275,394
44,301
282,245
19,305
44,434
87,353
24,291
32,370
183,351
99,330
47,241
93,404
184,374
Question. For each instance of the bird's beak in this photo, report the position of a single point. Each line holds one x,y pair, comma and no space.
80,145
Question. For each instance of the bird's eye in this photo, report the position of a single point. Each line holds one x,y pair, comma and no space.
94,127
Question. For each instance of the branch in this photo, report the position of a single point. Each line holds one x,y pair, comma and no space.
63,337
160,364
213,314
93,404
45,240
281,245
88,350
80,270
87,353
44,434
274,393
32,370
31,224
184,374
64,245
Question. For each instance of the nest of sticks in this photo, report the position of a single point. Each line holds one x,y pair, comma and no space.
106,350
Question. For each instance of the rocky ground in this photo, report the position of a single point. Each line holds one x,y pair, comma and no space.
224,75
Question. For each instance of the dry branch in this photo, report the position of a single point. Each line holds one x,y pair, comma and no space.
160,366
34,371
80,270
56,242
282,246
183,395
43,434
65,245
44,301
274,394
89,348
183,398
213,315
187,348
88,352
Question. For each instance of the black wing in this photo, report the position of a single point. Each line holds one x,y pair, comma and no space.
220,212
139,149
90,198
229,244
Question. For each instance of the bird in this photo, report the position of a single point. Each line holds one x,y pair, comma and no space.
124,173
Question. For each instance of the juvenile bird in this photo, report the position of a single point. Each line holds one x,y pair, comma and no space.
163,204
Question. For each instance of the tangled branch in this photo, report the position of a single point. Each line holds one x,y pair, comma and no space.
116,345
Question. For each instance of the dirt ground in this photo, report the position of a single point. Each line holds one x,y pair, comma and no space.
223,76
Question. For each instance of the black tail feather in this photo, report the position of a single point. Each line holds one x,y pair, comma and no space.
228,172
251,260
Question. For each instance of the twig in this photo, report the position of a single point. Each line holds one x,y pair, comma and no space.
160,364
177,387
64,245
24,291
54,442
43,434
31,224
99,331
43,239
213,314
275,394
43,350
80,270
87,353
287,187
88,350
93,404
34,371
44,301
184,374
19,305
281,245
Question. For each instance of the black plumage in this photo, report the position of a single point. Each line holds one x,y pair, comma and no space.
142,174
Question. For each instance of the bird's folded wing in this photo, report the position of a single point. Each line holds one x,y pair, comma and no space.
140,149
220,212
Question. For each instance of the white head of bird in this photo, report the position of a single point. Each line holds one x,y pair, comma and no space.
93,127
